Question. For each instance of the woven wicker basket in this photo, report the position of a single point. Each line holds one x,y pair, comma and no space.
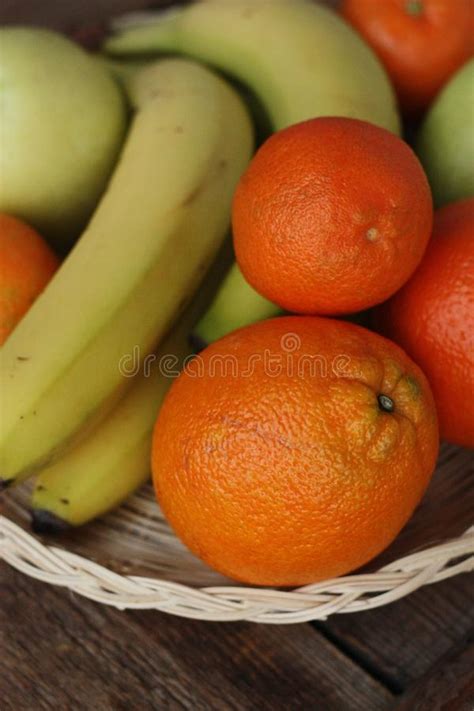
131,559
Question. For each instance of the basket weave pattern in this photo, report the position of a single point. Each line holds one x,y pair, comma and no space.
312,602
131,559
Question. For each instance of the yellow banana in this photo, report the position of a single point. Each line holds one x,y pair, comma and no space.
99,473
300,58
155,232
104,469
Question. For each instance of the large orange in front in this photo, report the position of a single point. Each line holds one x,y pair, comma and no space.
294,450
332,216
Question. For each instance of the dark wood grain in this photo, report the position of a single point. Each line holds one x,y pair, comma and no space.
449,686
400,642
59,651
69,15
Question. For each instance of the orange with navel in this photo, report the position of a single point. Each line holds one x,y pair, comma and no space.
332,216
294,449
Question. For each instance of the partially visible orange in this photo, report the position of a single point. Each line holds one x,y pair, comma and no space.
432,317
294,449
27,263
420,42
332,216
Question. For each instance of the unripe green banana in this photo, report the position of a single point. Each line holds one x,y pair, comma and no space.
300,59
149,243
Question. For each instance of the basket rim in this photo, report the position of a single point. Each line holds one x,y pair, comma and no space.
352,593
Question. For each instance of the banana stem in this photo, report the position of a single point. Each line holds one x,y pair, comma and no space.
143,31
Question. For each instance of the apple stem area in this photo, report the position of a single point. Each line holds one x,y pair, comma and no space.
414,7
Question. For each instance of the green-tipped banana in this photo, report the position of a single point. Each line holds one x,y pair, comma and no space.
153,236
301,60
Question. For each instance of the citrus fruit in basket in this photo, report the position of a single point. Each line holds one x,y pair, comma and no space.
27,263
294,449
432,317
332,216
420,42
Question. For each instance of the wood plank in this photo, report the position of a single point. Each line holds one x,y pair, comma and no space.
69,15
399,643
60,651
449,686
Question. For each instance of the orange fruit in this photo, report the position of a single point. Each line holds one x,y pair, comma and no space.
432,317
27,263
294,449
420,42
332,216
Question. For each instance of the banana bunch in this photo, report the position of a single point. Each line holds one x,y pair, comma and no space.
152,238
104,469
300,59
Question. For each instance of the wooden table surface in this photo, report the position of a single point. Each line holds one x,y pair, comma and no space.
59,651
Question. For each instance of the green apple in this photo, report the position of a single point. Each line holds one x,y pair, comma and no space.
445,143
63,121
